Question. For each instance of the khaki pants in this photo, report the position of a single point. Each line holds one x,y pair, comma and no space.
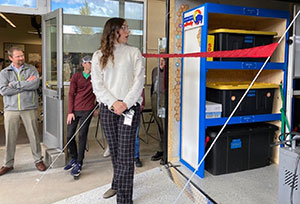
12,125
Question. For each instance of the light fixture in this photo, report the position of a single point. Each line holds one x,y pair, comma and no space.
33,32
7,20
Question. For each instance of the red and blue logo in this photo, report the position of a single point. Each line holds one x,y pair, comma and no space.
193,18
198,17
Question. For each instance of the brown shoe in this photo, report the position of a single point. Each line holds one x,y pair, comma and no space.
109,193
5,169
41,166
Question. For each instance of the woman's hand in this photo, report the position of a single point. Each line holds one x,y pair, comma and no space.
96,113
70,117
119,107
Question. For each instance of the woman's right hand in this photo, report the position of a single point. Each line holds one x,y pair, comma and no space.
70,117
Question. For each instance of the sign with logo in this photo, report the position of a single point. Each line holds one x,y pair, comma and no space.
194,18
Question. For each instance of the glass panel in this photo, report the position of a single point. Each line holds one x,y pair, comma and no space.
51,115
81,40
107,8
81,36
19,3
51,54
78,42
134,10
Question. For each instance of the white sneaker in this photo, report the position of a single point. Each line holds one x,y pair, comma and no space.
106,152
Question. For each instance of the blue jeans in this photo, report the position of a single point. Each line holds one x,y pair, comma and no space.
137,141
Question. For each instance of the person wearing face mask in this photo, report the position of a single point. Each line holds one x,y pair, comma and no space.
18,86
118,81
81,103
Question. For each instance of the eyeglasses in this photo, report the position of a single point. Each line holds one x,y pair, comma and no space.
125,27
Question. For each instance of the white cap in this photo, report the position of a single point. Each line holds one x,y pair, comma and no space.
86,58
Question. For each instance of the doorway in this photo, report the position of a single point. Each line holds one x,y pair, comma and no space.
27,35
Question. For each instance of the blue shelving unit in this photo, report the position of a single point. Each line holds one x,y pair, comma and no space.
196,23
244,65
243,119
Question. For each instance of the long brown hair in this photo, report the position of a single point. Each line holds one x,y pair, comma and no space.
110,33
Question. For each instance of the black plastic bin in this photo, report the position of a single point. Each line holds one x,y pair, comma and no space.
239,147
259,99
231,39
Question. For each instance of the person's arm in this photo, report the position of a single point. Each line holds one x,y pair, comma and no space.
5,89
102,94
72,93
29,84
138,80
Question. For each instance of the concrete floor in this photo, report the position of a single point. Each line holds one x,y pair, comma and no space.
152,186
27,185
253,186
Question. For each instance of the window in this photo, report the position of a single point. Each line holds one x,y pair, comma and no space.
134,10
105,8
19,3
83,26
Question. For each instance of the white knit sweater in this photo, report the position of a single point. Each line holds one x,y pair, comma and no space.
122,80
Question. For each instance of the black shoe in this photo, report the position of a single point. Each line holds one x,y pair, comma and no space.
138,162
157,156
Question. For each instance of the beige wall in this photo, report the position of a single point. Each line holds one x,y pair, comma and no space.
156,12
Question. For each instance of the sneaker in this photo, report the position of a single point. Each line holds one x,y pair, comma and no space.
157,156
106,152
70,165
76,170
109,193
138,162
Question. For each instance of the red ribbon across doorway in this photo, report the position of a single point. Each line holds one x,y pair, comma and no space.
255,52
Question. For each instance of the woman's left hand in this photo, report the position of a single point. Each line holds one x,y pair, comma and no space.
119,107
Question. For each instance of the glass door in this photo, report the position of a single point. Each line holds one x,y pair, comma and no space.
52,26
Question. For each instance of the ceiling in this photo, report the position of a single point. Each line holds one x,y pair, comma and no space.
24,23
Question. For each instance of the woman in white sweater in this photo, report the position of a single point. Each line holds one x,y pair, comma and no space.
118,81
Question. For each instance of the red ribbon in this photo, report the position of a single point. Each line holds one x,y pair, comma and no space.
255,52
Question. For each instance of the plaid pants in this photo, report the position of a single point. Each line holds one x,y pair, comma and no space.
121,141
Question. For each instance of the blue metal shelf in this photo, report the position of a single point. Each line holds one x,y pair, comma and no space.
245,11
243,119
199,17
244,65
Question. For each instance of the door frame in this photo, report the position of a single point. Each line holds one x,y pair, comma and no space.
51,140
